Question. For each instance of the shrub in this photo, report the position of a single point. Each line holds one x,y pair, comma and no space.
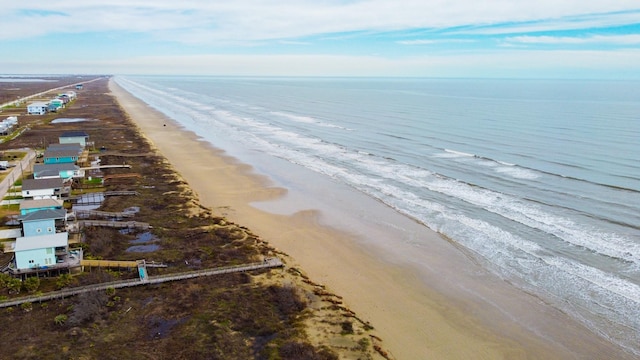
347,327
14,285
31,284
26,307
60,319
63,281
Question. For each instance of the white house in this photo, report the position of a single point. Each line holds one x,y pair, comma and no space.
11,120
42,188
7,125
37,108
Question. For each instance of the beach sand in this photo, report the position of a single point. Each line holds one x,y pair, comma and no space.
415,319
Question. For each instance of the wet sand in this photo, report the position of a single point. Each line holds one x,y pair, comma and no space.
444,307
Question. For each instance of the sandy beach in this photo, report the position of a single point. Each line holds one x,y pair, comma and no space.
415,315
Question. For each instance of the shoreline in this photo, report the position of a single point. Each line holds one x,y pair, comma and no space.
415,320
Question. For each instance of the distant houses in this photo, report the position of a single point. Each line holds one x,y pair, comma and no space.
53,105
7,125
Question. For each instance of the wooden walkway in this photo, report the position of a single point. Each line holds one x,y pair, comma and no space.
109,263
267,264
104,194
97,167
121,176
119,263
105,214
115,224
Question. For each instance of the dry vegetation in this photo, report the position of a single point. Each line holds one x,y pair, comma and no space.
276,314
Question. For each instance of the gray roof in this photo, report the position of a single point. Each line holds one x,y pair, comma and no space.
39,184
40,203
75,134
42,241
70,146
46,214
60,153
54,169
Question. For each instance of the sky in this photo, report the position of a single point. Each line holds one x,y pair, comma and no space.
585,39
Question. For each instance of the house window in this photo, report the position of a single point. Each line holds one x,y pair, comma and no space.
49,251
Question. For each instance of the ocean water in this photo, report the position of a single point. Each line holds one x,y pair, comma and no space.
538,179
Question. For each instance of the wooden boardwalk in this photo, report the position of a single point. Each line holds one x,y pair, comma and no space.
115,224
267,264
97,167
90,195
121,176
105,214
119,263
109,263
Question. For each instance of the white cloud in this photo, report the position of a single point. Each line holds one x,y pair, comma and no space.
570,22
416,42
632,39
429,41
252,20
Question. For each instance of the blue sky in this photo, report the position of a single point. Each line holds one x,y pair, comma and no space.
433,38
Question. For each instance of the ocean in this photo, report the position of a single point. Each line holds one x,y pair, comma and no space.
539,180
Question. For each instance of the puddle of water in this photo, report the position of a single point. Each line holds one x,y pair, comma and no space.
143,248
131,210
70,120
144,237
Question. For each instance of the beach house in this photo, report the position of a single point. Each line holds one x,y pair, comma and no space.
7,125
55,104
37,108
43,240
43,188
29,206
60,156
78,137
65,171
68,146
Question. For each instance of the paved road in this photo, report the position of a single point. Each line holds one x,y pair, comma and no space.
14,102
24,166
